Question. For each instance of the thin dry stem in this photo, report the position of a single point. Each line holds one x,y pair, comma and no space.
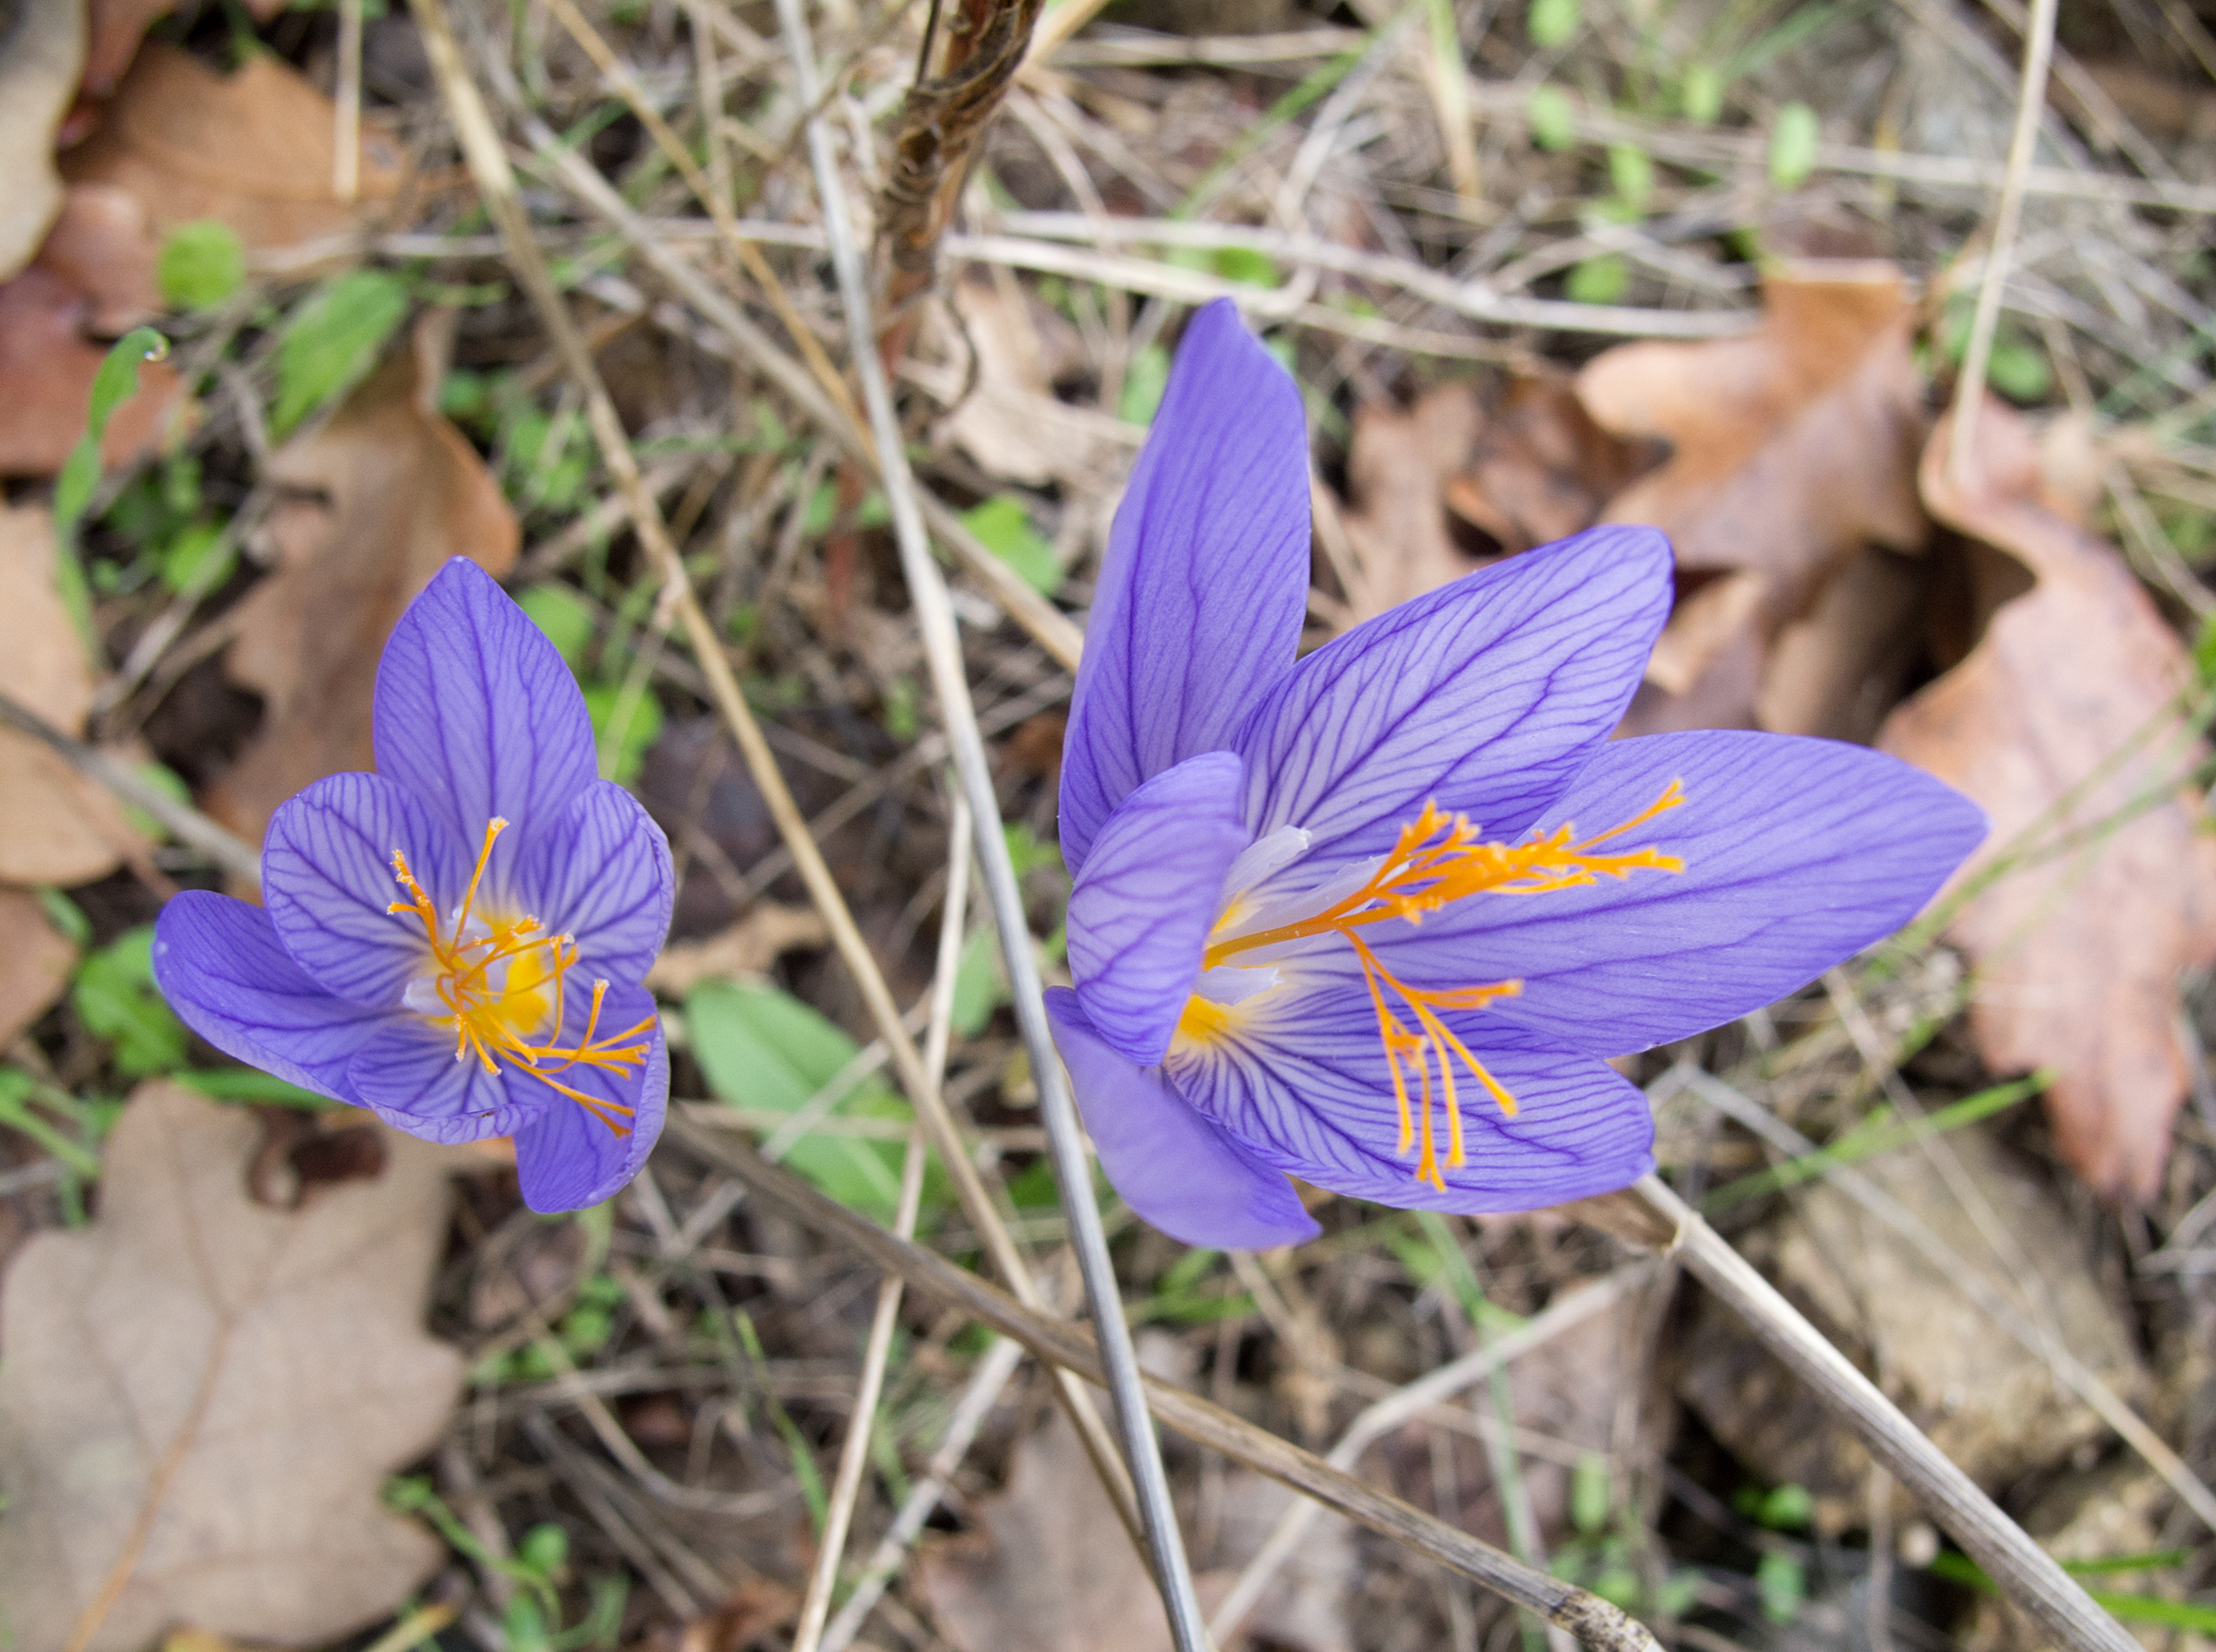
1592,1619
854,1455
2023,143
2025,1572
488,162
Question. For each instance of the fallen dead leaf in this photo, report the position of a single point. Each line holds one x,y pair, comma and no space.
1793,448
1540,468
42,54
201,1397
2078,957
1398,465
388,491
35,961
1049,1569
749,1612
1010,421
1523,467
102,245
742,952
55,825
118,26
93,279
255,149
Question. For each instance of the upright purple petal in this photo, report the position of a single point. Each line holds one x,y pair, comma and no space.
477,716
566,1158
1798,853
1202,590
1140,913
601,873
1485,695
327,876
1182,1173
219,963
1305,1087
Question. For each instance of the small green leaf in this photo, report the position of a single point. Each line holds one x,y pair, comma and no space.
183,557
1701,94
1146,375
1793,139
2019,372
160,778
115,997
565,618
1246,266
1601,280
642,727
1632,173
1028,850
901,712
980,984
1679,1590
332,338
762,1048
67,918
1591,1496
201,264
1553,119
1002,527
115,383
1554,22
1786,1508
1783,1584
545,1548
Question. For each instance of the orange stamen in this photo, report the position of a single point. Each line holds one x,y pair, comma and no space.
1438,858
490,1020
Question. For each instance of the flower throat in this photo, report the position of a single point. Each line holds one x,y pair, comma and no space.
1437,859
497,987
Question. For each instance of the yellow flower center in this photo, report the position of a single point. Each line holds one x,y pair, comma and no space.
502,984
1437,859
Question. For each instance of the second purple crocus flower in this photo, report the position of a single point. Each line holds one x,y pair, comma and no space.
1377,919
455,942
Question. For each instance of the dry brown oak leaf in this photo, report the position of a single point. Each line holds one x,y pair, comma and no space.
200,1397
42,54
386,492
1523,467
93,279
57,827
2078,957
254,149
35,961
1793,449
1049,1570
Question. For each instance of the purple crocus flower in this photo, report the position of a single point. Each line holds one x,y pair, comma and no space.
455,942
1377,918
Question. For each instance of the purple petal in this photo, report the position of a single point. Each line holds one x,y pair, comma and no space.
601,873
1182,1173
328,877
1798,853
569,1159
1140,913
477,716
409,1076
1201,594
219,963
1305,1087
1485,695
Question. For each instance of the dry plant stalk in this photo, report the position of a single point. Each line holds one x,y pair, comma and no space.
488,162
940,123
1593,1621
